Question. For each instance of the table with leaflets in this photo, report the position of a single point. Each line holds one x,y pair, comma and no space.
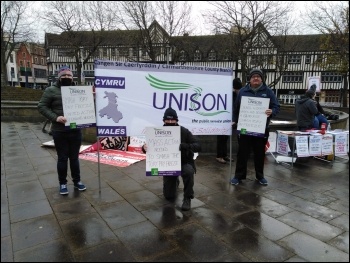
323,146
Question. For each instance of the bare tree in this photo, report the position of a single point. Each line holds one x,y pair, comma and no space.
174,17
82,24
15,29
156,21
241,20
332,20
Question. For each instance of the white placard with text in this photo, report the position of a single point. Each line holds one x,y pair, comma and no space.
315,148
327,144
282,144
78,106
302,146
252,117
163,157
340,147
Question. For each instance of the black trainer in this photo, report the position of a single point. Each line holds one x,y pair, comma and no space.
186,205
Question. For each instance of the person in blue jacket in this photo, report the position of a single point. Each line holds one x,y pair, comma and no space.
247,142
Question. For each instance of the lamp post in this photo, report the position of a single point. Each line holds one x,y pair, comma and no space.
167,53
82,76
25,73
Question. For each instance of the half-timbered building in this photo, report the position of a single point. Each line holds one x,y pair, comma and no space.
287,61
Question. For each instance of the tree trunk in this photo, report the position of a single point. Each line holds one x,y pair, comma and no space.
4,81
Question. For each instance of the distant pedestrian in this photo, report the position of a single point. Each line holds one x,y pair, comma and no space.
256,88
67,141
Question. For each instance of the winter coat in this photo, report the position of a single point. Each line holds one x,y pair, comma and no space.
194,146
305,110
262,92
51,106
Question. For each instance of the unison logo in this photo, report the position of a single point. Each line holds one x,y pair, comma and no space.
75,91
191,99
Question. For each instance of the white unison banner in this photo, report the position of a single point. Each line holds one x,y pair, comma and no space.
131,96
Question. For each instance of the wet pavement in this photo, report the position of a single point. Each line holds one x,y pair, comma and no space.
302,215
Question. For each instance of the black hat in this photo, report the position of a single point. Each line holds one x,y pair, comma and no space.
313,88
170,114
237,83
256,71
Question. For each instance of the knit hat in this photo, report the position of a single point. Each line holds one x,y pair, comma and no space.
170,114
64,71
256,71
237,83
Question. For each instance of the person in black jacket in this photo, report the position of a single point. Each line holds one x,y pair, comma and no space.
189,145
221,140
306,110
256,88
67,141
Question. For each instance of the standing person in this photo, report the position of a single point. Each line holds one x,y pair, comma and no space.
221,140
67,141
306,110
189,145
255,88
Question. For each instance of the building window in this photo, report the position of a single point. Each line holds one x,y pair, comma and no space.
294,59
212,55
134,52
36,60
28,64
124,52
290,77
144,52
197,55
40,73
104,52
182,55
65,53
254,60
227,55
319,58
113,53
11,58
42,62
307,59
331,77
24,54
12,72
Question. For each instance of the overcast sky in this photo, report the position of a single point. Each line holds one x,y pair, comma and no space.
197,8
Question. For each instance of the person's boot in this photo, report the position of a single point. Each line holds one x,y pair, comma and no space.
186,205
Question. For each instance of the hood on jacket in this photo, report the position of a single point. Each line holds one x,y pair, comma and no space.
302,100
